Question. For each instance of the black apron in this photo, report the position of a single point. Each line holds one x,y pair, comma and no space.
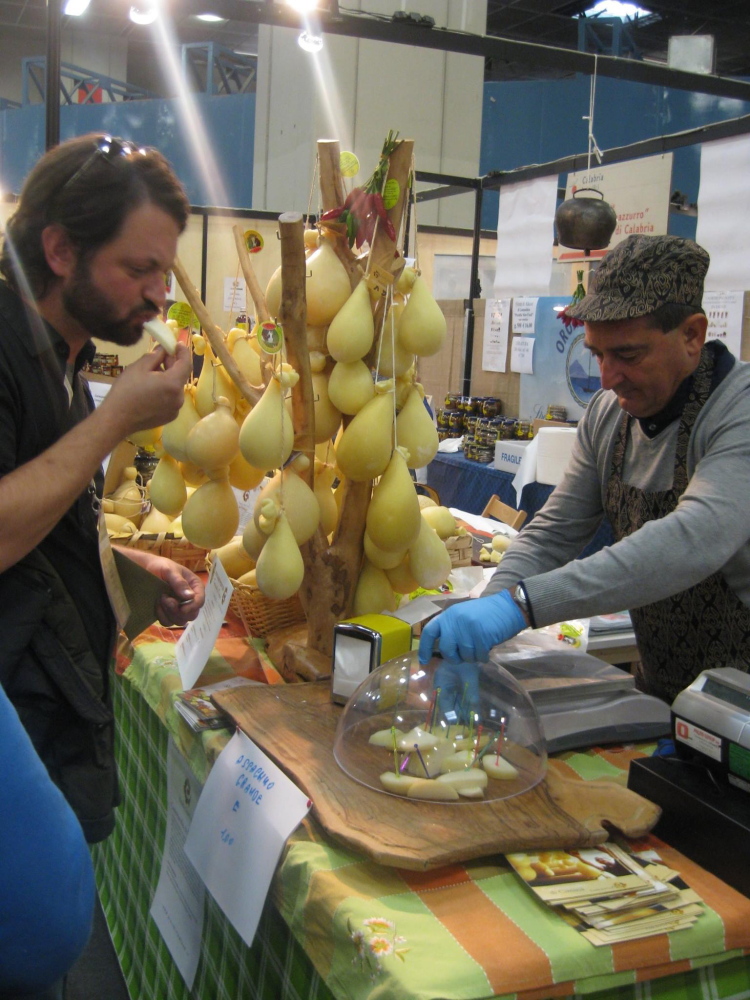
704,626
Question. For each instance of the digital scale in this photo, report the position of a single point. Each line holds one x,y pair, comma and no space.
702,788
711,721
583,702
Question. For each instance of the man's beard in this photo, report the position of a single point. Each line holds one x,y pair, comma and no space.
95,312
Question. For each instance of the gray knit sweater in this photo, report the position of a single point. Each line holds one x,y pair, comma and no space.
708,531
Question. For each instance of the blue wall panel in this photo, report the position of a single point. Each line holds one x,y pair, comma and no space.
526,122
229,123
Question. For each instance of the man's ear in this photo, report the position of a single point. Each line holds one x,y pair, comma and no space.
59,252
694,330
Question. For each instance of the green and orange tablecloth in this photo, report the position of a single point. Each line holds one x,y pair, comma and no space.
354,930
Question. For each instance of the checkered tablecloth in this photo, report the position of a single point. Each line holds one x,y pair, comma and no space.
340,926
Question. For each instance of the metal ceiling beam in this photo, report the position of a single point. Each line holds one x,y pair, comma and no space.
646,147
485,46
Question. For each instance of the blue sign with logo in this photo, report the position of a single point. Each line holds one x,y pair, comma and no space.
565,373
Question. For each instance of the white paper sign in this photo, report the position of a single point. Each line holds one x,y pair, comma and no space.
177,909
525,232
99,391
246,504
522,355
723,227
246,812
724,312
235,298
196,642
495,340
524,314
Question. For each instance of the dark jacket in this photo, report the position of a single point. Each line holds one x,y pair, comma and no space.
59,689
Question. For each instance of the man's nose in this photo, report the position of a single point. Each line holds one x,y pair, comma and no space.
611,373
155,290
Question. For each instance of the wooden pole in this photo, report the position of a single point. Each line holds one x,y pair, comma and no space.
332,193
262,314
214,335
293,318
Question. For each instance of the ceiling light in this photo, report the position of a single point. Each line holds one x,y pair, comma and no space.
209,17
74,8
143,15
303,6
310,42
617,8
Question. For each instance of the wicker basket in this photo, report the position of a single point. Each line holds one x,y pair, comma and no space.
262,615
174,547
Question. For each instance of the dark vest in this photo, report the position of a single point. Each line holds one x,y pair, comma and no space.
704,626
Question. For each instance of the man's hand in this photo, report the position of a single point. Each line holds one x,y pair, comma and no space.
149,393
466,632
188,593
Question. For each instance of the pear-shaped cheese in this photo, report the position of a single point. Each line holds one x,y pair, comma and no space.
365,447
373,593
246,358
393,517
234,558
213,382
392,358
244,476
322,485
429,559
211,515
167,488
327,416
350,386
267,434
441,520
422,328
280,569
327,286
214,439
379,557
292,494
416,431
352,329
174,434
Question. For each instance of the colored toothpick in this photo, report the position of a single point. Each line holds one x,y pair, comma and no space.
421,759
395,751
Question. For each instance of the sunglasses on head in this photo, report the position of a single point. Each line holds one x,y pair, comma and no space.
107,149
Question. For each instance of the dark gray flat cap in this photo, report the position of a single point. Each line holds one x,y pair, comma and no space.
641,274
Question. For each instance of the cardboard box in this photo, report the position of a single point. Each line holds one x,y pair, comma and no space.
460,549
508,455
536,424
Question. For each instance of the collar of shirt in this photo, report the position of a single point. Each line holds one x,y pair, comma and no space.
723,364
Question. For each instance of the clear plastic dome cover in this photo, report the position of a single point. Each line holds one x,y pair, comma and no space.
453,733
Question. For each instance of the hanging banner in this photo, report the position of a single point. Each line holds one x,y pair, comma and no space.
638,191
724,212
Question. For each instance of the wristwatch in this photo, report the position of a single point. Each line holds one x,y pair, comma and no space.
521,598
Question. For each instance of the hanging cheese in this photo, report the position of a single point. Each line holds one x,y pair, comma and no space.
393,518
267,434
364,449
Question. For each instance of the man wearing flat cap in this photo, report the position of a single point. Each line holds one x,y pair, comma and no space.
663,451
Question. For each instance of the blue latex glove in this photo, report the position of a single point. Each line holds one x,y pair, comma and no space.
467,631
458,684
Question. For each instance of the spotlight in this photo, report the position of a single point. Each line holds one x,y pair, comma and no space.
309,42
143,15
74,8
209,17
303,6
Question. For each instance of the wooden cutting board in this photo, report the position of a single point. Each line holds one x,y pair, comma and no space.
295,725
